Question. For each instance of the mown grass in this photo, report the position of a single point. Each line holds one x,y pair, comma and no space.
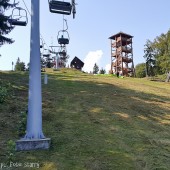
95,122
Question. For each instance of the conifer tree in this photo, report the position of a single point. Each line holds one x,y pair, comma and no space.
19,66
95,69
5,27
102,71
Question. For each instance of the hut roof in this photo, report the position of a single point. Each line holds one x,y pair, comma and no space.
76,61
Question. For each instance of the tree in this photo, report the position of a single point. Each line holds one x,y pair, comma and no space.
102,71
157,54
150,58
95,69
19,66
161,46
5,27
49,62
140,70
64,59
46,61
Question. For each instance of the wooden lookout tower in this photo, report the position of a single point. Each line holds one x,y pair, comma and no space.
122,54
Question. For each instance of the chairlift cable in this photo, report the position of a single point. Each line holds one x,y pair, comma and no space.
26,7
63,24
30,15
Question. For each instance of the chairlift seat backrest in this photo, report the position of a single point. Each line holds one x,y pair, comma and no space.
62,53
60,7
63,41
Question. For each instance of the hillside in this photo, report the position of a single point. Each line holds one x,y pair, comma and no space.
95,122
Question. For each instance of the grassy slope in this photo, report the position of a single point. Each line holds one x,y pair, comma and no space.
96,123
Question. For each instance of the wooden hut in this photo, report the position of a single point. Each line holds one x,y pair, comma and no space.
77,63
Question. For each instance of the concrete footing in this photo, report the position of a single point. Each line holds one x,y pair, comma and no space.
32,144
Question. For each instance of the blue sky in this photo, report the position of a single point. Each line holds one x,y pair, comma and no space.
95,22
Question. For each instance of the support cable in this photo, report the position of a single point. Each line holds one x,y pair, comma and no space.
30,15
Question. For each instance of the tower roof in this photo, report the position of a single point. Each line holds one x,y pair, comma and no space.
120,33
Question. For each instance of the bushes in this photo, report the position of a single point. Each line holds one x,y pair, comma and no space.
140,70
22,124
6,92
5,89
3,94
10,150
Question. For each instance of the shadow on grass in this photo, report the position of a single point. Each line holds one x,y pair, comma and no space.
100,126
95,120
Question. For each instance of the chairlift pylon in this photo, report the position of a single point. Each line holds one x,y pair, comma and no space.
18,17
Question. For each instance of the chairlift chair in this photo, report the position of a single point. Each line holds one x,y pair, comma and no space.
46,55
62,51
62,40
42,43
60,7
17,18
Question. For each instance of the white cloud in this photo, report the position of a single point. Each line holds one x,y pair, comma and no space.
107,68
91,58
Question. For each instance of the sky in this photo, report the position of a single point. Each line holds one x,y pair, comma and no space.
94,23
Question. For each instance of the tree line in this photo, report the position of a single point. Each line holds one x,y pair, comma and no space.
21,66
96,70
157,57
